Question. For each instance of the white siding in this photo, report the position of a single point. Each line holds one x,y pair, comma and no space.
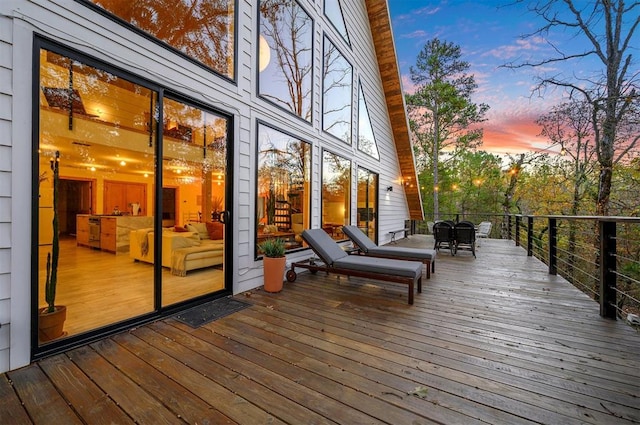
78,27
393,209
5,189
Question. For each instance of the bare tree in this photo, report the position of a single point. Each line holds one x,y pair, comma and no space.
569,126
608,27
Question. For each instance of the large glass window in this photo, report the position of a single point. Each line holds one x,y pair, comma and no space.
201,29
283,192
336,93
368,203
333,11
336,193
285,56
366,140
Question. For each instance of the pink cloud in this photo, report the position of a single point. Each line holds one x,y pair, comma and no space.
512,133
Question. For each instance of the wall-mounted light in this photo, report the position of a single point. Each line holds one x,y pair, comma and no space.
389,188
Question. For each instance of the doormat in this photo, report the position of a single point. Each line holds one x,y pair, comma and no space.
210,311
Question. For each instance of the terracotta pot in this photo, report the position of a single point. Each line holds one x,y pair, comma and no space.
50,325
274,273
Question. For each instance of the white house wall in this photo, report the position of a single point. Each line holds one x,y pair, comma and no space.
76,26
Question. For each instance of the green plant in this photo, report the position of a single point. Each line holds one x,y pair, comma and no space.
52,257
273,247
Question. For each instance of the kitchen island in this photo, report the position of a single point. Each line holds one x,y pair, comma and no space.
108,232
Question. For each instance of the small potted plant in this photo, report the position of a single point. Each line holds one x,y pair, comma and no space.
274,263
51,318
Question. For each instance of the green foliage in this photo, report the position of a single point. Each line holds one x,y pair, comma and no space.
52,258
471,182
272,247
441,106
441,111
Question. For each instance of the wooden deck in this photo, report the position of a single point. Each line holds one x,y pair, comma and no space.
492,340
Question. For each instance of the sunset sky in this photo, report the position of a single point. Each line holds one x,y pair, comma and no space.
489,37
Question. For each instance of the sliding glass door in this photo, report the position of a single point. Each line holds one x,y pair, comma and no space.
109,149
195,155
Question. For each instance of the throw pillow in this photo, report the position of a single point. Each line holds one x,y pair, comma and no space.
200,228
215,230
179,229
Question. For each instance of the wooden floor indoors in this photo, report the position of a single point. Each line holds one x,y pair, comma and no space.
490,340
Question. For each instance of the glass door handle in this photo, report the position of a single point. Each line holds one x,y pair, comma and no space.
224,217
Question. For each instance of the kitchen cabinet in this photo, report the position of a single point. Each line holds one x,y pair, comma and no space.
108,226
82,229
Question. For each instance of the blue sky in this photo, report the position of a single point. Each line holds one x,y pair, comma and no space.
489,36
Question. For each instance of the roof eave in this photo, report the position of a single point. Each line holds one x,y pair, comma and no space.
380,22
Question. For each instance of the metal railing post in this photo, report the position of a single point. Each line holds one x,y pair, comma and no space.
608,269
518,219
553,246
530,236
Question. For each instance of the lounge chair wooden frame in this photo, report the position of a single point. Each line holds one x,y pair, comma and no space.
320,264
387,252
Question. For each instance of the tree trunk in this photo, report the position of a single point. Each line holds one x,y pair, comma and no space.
604,190
436,149
508,195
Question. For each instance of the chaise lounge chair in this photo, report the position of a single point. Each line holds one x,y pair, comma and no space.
332,259
369,248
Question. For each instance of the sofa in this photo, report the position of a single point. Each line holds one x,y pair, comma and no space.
182,250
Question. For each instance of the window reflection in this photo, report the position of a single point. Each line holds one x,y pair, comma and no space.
336,93
201,29
282,207
286,56
367,202
336,190
366,140
333,11
101,126
194,169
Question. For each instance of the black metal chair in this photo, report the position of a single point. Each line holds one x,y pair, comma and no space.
443,233
465,237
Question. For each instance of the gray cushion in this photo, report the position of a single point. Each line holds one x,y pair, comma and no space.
380,265
399,252
368,246
356,235
328,250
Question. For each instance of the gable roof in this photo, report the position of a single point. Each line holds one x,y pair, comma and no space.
380,23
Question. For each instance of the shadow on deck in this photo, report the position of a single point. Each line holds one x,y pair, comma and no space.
490,340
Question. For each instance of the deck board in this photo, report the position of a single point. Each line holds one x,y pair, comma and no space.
490,340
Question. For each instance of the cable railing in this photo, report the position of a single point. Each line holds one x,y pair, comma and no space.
598,255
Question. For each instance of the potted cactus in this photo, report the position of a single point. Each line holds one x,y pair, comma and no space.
51,318
275,262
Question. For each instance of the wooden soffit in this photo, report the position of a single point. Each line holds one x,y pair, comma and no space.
380,23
